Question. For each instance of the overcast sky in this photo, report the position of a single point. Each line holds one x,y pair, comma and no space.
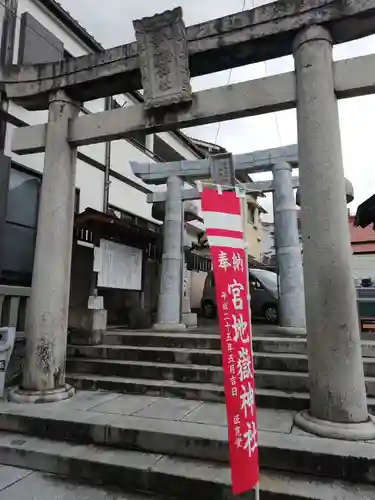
111,25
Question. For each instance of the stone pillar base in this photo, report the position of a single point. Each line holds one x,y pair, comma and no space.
169,327
190,319
362,431
87,326
19,395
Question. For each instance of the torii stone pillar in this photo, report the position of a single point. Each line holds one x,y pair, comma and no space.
338,406
169,304
288,250
47,315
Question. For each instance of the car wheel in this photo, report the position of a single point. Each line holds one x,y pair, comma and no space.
271,314
208,310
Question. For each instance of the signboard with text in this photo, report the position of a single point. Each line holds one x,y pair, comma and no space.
224,229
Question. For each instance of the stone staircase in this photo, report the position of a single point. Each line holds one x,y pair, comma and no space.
188,365
158,425
178,449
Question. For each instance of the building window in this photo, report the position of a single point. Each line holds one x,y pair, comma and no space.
20,228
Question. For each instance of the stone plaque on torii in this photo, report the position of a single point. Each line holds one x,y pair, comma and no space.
306,29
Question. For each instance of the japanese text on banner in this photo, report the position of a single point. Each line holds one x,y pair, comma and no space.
231,285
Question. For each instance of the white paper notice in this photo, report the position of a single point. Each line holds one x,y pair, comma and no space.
119,266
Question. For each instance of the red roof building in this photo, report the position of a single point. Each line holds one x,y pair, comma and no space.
362,239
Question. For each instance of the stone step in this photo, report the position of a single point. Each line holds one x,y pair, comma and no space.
151,354
290,362
279,345
169,477
289,381
155,445
265,398
296,382
130,470
187,340
287,345
148,370
150,387
297,363
205,341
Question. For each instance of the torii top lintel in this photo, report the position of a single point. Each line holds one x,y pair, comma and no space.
257,161
251,36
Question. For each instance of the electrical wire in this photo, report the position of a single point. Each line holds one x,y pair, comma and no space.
267,74
229,78
274,113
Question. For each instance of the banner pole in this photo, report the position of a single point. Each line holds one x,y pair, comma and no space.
257,492
242,195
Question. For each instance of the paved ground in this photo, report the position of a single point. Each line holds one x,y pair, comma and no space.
22,484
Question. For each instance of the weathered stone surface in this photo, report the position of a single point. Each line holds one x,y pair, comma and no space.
11,475
353,77
337,384
169,409
222,169
125,405
209,414
238,39
163,59
47,316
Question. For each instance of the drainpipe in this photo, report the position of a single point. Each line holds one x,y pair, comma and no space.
107,162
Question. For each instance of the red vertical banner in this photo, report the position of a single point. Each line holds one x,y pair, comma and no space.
224,228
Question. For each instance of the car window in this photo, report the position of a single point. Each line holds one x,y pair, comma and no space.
267,278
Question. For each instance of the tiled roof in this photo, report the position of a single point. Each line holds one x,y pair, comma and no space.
362,239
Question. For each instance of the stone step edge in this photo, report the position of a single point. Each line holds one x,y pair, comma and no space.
103,433
303,458
144,364
131,470
211,368
184,479
143,348
179,350
216,336
266,397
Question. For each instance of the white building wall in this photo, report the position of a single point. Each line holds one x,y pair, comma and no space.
123,196
363,266
122,152
177,145
90,179
71,43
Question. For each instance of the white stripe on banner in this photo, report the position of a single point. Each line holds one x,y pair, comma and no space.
224,241
218,220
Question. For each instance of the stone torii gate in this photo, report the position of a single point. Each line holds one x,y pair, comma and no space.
288,250
162,61
292,304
